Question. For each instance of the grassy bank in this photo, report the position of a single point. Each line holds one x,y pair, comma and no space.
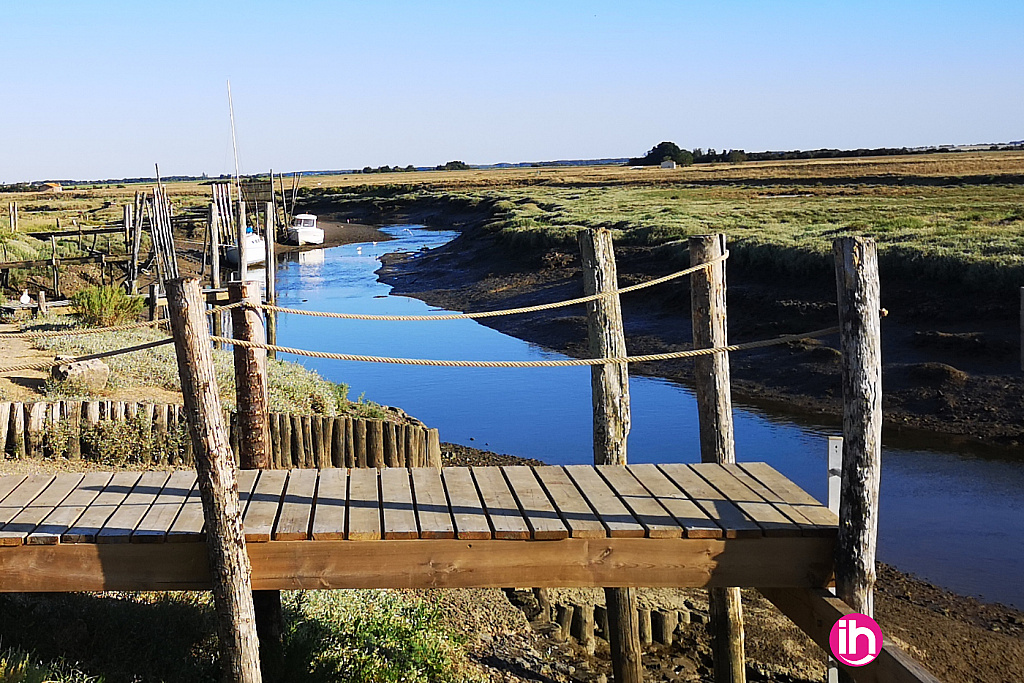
958,221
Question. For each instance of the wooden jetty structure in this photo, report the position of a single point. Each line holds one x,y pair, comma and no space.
717,524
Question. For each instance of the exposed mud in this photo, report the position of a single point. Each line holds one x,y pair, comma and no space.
951,357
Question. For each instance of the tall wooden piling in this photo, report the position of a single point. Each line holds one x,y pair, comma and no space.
243,267
214,246
271,269
610,390
229,563
861,364
714,413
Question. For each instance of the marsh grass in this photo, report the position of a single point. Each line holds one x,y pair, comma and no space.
292,387
106,306
361,636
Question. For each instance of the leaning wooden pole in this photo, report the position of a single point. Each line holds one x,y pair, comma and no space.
714,413
253,409
861,365
610,390
229,563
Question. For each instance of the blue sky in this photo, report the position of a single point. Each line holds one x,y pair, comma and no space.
105,89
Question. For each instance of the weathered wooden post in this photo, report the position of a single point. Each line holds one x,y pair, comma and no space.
714,413
41,308
271,263
154,296
861,365
229,563
55,267
243,267
253,415
214,246
610,390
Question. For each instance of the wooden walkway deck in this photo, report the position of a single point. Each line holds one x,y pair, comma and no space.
642,525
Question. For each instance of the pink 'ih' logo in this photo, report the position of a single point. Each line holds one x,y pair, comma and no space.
856,639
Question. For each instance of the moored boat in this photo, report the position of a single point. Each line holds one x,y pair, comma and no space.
304,230
255,251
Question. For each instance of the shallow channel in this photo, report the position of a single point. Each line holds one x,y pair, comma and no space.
951,518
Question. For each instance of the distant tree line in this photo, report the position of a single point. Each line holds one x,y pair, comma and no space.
669,151
388,169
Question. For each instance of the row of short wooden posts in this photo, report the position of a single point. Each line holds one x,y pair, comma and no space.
28,430
586,623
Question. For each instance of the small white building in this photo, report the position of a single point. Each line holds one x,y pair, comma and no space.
668,164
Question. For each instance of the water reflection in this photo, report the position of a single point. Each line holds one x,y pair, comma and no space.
953,519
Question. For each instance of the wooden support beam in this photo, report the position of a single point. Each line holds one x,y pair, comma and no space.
795,562
610,391
714,413
861,365
228,562
815,611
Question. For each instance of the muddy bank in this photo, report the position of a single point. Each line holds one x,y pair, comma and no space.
959,639
951,357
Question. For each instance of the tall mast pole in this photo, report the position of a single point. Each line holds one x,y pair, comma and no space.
234,144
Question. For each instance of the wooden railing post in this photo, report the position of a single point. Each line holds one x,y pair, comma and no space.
861,364
229,563
610,389
714,412
253,415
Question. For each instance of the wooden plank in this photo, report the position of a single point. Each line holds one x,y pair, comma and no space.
501,507
363,505
686,512
648,511
261,512
24,494
396,500
331,504
467,509
25,522
816,610
161,515
121,524
190,522
734,522
572,506
792,494
610,510
62,518
296,506
429,563
432,512
8,483
96,514
541,516
793,512
767,516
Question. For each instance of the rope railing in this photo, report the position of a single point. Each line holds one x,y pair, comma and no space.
570,362
508,311
76,332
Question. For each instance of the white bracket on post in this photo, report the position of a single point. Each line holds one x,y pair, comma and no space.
835,480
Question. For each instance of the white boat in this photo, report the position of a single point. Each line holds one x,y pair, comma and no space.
255,251
304,231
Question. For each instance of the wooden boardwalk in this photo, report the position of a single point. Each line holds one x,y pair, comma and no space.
641,525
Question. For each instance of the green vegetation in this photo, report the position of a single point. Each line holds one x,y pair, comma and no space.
18,666
664,151
355,636
106,306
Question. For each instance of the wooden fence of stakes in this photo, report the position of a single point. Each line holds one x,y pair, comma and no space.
229,563
610,392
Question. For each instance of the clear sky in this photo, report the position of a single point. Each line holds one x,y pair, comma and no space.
103,89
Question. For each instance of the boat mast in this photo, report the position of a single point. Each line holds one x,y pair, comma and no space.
234,144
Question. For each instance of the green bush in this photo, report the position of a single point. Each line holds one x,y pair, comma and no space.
18,666
106,306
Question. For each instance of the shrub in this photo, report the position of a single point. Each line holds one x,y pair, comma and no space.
105,306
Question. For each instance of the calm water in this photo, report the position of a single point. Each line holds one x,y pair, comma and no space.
956,520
